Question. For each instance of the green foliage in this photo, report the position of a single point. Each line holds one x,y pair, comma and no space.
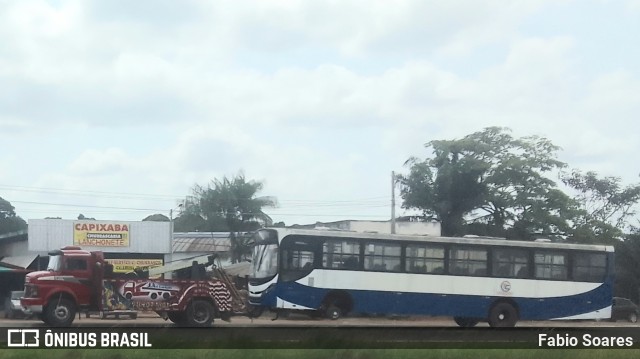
227,205
495,177
262,353
189,222
604,206
157,218
627,268
9,220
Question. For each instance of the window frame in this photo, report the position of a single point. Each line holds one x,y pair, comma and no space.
463,247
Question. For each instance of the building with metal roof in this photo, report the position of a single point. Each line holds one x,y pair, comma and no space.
200,242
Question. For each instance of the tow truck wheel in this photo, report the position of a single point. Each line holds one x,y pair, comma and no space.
60,313
200,314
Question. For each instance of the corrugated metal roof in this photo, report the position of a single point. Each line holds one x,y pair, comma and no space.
14,236
19,261
201,242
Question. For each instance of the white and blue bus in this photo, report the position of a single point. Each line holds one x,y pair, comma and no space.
499,281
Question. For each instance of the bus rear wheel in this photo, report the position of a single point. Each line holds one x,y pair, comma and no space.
503,315
465,322
333,312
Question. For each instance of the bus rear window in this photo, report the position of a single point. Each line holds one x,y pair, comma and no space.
589,267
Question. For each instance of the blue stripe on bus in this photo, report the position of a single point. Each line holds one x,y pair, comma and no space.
376,302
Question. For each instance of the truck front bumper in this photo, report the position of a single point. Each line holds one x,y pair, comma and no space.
30,305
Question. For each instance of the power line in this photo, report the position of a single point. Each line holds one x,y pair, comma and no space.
87,206
161,197
153,197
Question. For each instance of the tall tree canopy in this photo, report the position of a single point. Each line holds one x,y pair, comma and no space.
604,206
158,217
493,177
227,205
9,220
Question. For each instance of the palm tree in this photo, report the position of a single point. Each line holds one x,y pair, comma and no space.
231,205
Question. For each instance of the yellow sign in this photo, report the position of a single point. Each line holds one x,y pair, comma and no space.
128,265
100,234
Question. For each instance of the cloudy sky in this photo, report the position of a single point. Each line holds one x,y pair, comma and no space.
115,109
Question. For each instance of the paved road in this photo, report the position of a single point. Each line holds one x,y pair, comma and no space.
266,320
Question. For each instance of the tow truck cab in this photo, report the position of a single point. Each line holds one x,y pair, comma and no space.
71,282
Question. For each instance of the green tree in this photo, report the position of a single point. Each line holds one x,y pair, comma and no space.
628,267
189,222
227,205
604,206
493,177
9,220
157,218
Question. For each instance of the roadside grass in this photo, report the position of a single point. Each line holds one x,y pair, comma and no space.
319,353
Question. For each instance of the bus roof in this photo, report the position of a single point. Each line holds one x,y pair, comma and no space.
458,240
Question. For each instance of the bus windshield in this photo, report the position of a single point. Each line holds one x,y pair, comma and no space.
264,261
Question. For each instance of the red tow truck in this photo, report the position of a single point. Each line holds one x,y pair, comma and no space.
78,281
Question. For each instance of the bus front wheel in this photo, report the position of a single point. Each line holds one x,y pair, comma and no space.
503,315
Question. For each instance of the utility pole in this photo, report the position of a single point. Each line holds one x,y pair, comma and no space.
393,202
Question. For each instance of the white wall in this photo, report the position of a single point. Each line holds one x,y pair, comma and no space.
144,237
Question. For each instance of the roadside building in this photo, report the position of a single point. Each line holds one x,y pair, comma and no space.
126,245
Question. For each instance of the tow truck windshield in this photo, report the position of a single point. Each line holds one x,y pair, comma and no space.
55,263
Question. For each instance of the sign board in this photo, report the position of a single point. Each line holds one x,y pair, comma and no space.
128,265
100,234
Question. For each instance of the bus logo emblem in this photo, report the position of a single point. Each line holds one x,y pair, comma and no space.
505,286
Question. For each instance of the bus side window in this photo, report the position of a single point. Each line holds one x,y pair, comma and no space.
523,272
307,266
503,271
350,263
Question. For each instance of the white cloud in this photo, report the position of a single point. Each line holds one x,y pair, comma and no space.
319,99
